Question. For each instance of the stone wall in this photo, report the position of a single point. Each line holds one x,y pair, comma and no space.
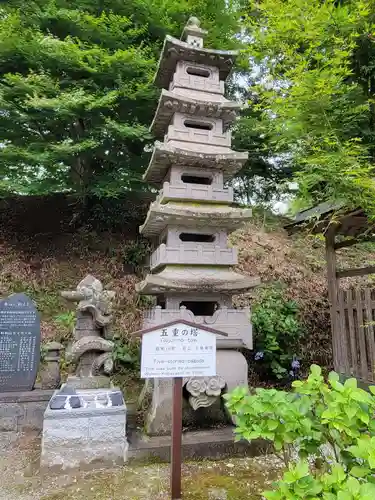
22,411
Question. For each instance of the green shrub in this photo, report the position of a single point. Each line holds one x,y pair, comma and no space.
277,328
135,254
324,433
125,356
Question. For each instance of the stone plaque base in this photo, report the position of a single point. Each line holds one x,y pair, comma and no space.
75,438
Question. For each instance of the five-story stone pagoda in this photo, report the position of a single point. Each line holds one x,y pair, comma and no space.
191,273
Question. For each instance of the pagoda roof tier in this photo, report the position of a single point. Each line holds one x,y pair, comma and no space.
193,279
175,50
164,156
223,217
171,102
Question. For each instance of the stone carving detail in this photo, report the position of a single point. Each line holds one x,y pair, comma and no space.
92,347
204,391
92,298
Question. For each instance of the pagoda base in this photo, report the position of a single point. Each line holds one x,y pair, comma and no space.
231,367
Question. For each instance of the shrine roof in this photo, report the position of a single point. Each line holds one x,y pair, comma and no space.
317,219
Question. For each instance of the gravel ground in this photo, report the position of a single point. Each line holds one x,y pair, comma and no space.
229,479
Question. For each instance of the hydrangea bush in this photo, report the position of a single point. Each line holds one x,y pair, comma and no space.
324,433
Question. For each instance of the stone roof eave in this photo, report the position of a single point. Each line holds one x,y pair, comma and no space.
175,50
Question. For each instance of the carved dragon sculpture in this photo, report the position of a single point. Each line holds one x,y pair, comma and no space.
95,302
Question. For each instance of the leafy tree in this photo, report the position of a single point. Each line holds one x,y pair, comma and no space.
318,88
263,177
76,92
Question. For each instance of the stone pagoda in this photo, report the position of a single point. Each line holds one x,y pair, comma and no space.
191,271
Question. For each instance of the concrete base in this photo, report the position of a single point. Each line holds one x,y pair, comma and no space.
211,444
82,437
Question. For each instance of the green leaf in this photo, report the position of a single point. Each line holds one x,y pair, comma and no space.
344,495
350,383
272,495
358,471
353,486
333,376
315,370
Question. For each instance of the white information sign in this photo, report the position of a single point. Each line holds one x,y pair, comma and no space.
178,351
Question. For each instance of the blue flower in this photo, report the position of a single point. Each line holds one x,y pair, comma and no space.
259,355
296,364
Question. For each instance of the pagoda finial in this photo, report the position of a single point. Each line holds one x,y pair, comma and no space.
193,34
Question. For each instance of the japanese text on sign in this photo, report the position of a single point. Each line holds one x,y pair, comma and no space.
178,351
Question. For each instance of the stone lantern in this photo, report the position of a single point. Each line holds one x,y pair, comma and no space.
191,268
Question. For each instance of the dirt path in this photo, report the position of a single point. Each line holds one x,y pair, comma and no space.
231,479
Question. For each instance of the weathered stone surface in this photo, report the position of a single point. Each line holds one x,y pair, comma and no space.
19,343
75,437
159,418
10,410
160,216
231,369
164,156
204,391
23,411
213,444
91,382
171,102
234,322
50,370
91,349
193,279
8,424
175,50
33,416
191,269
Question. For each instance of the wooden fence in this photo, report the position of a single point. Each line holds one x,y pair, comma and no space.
353,333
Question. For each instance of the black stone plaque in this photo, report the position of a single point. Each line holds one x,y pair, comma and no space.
19,343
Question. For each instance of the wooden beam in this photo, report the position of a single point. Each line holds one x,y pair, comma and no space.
353,241
360,271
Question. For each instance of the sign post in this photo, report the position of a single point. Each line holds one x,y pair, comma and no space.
176,456
178,350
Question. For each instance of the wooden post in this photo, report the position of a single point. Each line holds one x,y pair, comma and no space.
332,294
176,439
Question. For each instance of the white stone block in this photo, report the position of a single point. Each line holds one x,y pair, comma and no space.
76,437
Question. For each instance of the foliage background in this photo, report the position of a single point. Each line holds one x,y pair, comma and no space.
316,84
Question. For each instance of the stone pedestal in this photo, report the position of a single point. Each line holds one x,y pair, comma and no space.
231,367
82,437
